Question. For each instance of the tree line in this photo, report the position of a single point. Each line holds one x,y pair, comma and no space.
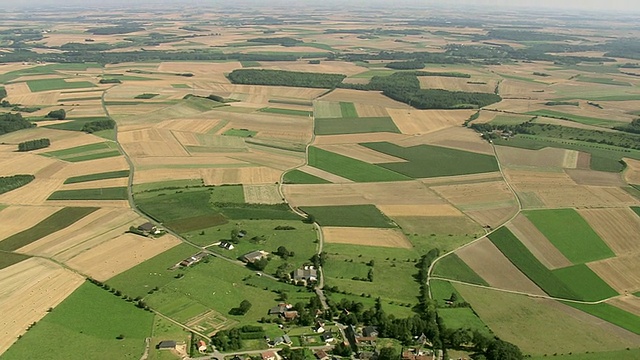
285,78
13,122
8,183
34,144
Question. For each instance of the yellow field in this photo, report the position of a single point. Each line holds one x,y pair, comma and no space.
622,273
17,218
453,137
366,236
360,152
415,122
420,210
246,175
457,84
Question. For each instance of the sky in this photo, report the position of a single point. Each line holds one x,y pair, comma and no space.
591,5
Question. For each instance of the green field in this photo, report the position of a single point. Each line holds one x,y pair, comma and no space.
463,318
90,318
240,133
8,183
56,84
49,69
583,281
524,260
604,81
578,242
349,215
99,176
180,86
577,118
352,169
395,308
110,193
424,161
86,152
286,111
57,221
300,177
8,258
348,110
636,209
452,267
509,120
612,314
354,125
167,185
631,354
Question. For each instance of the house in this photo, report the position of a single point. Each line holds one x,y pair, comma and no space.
328,337
306,275
321,355
148,228
319,328
226,245
409,355
193,259
269,355
254,256
370,331
290,315
280,309
166,345
284,339
202,347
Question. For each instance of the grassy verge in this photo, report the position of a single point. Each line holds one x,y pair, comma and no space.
57,221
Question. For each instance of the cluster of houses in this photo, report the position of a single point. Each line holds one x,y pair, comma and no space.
285,311
422,354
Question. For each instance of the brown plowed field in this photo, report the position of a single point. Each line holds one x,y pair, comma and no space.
494,216
491,265
537,243
27,290
392,193
415,122
619,228
366,236
262,194
621,273
120,254
17,218
595,178
544,158
360,152
632,174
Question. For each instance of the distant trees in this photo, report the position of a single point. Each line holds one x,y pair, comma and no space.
110,81
94,126
285,78
283,41
59,114
633,127
34,144
406,65
113,30
284,253
502,350
13,122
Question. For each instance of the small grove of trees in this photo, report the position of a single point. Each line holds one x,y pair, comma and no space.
242,309
34,144
285,78
8,183
228,340
13,122
406,65
94,126
110,81
633,127
59,114
284,253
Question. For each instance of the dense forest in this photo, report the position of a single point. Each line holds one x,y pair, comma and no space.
34,144
285,78
13,122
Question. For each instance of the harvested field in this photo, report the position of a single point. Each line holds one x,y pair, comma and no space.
475,196
365,110
510,88
84,203
621,273
619,228
151,142
628,303
364,97
415,122
463,179
324,174
490,264
494,216
541,326
632,173
595,178
390,193
537,243
34,193
246,175
154,175
122,253
357,138
456,84
262,194
360,152
327,110
420,210
366,236
263,92
15,219
27,290
454,137
544,158
273,158
200,126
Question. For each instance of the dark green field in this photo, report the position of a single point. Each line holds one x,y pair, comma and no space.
286,111
452,267
111,193
8,258
56,84
8,183
352,169
58,221
578,242
300,177
354,125
611,314
86,152
424,161
583,281
90,318
349,215
99,176
240,133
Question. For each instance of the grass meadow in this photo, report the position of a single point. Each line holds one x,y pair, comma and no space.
349,215
56,84
301,177
88,322
352,169
98,176
612,314
452,267
354,125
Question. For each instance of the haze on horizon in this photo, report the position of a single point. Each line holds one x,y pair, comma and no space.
587,5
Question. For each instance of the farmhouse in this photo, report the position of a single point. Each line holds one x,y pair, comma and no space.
149,228
306,275
290,315
192,259
254,256
370,331
166,345
280,309
226,245
269,355
328,337
284,339
202,347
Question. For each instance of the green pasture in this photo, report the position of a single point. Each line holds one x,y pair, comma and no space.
352,169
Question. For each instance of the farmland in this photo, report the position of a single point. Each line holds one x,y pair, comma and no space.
440,172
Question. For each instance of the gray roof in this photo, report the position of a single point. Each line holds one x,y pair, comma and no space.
305,274
167,344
